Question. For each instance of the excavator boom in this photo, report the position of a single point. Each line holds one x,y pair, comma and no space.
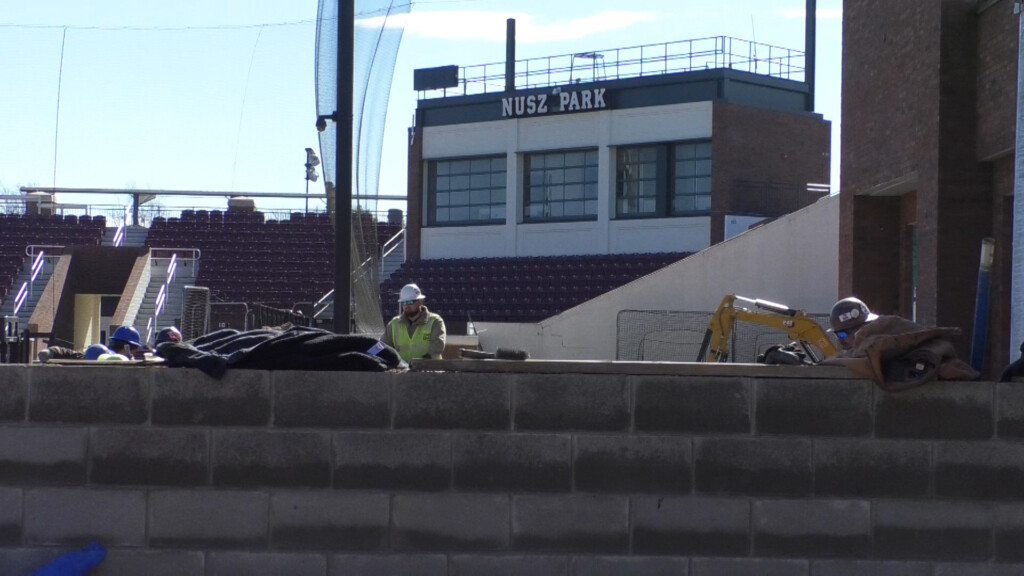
795,323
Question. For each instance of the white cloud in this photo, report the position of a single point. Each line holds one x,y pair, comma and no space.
490,25
823,13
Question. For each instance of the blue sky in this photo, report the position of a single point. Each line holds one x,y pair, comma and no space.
220,95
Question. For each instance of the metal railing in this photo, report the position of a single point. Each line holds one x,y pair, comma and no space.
711,53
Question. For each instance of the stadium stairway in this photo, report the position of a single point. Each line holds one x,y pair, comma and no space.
146,322
35,288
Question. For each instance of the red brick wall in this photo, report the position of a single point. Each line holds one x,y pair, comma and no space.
760,145
924,97
889,108
997,79
415,194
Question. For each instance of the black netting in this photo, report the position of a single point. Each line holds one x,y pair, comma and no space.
378,33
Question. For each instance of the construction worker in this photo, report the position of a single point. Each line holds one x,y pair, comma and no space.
848,316
169,334
416,332
126,342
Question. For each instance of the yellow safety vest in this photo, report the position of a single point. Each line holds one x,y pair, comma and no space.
414,346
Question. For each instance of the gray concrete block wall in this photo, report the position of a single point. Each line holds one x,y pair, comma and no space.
567,474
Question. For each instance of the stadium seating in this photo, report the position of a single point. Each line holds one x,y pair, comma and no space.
518,289
18,231
246,257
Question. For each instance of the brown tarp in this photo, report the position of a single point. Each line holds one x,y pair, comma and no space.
898,354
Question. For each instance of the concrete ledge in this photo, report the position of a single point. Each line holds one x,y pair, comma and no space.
621,367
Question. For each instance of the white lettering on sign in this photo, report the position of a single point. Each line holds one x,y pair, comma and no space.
568,101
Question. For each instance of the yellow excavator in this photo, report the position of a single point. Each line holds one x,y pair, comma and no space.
801,328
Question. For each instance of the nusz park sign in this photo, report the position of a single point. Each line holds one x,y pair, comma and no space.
557,102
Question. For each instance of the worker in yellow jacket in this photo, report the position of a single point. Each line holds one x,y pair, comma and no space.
416,332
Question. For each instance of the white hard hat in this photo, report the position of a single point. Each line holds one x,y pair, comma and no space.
410,292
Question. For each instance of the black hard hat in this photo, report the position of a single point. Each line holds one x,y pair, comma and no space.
849,313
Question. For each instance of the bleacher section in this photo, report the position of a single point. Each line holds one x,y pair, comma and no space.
247,258
517,289
17,231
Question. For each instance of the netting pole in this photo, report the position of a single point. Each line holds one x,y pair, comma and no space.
343,169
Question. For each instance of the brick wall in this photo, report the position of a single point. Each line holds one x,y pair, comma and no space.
927,94
784,149
997,79
554,474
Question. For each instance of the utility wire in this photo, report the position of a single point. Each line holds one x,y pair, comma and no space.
56,123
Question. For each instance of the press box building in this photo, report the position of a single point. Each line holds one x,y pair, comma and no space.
661,148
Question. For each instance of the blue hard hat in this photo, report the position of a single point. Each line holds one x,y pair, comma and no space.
127,334
93,352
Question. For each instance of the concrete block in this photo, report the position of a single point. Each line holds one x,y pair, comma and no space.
511,565
691,526
184,396
749,567
975,569
752,466
208,519
121,561
26,561
327,520
36,455
265,564
812,528
153,456
579,523
940,410
979,470
387,565
13,392
1010,410
512,462
450,401
271,458
692,406
872,468
955,531
10,516
1009,532
814,407
97,394
571,402
392,460
872,567
77,516
629,566
449,522
322,400
633,464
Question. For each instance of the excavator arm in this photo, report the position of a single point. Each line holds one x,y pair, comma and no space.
795,323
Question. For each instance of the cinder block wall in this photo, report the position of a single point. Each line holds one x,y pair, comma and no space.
471,474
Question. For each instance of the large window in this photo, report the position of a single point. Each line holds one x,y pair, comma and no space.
561,186
691,192
663,180
466,191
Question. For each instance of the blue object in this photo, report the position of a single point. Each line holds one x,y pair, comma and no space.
93,352
980,332
77,563
127,334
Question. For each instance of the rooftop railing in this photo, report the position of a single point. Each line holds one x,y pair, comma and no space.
711,53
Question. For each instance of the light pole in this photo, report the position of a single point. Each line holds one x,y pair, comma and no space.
311,163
